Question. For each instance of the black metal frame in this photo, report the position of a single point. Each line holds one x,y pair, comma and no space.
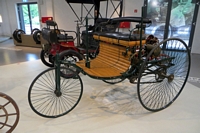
96,7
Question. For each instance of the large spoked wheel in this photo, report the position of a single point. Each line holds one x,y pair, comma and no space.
46,58
9,113
162,78
46,101
71,56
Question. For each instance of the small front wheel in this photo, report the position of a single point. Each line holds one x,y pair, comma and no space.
46,101
46,58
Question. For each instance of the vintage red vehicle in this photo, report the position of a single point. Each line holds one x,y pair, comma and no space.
65,42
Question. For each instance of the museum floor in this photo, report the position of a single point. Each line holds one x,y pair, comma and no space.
103,108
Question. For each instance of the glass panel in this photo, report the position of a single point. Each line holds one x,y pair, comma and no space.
181,19
157,11
26,19
34,16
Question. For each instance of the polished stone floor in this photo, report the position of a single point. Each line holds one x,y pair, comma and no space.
11,54
103,108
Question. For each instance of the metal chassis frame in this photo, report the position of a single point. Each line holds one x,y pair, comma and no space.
133,68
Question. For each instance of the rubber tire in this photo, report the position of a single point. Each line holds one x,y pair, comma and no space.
14,34
34,30
17,35
36,37
69,53
42,57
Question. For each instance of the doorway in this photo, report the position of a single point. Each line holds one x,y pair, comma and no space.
175,18
28,16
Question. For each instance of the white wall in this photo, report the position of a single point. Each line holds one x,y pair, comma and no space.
10,17
5,26
131,5
64,16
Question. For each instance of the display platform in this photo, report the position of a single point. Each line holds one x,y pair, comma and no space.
27,40
103,108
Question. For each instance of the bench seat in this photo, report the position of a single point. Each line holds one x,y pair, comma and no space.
64,38
110,62
123,39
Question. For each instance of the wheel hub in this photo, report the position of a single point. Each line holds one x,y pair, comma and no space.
170,77
161,75
58,93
